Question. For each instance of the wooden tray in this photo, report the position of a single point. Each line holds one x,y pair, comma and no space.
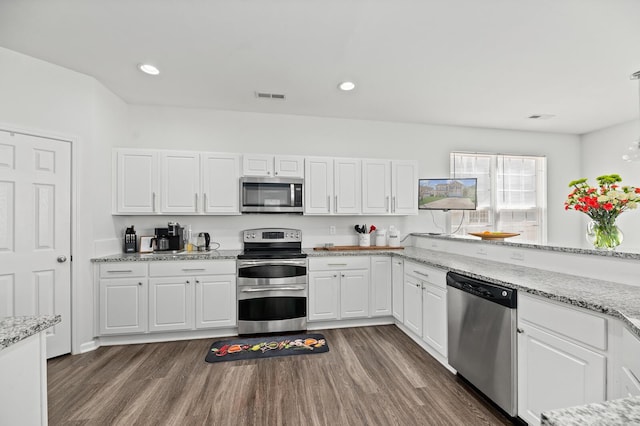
342,248
494,235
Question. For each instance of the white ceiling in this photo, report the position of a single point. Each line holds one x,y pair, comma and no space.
488,63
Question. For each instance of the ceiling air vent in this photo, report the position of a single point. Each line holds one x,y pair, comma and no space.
264,95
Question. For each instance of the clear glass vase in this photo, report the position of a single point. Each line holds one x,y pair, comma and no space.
604,235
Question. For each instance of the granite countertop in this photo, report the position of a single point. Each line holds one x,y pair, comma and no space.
625,411
477,240
157,256
15,329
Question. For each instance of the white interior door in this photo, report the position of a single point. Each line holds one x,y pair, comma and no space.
35,232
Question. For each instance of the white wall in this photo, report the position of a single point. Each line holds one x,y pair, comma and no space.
601,154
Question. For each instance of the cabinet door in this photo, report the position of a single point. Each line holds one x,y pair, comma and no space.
397,270
434,317
404,187
555,373
137,181
171,303
380,286
215,301
289,166
257,165
180,177
347,186
376,186
318,185
220,183
413,304
354,293
123,306
323,295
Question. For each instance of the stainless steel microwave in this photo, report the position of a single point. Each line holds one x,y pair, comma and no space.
271,195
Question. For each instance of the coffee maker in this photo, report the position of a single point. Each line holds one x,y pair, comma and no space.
170,238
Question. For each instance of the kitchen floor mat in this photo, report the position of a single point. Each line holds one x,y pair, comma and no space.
266,347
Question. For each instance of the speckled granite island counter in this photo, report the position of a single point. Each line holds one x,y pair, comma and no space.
158,256
625,411
15,329
23,369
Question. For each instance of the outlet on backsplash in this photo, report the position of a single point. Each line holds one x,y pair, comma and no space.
332,230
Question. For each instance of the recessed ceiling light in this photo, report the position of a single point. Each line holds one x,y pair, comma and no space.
346,86
148,69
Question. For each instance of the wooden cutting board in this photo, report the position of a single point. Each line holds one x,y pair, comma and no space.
343,248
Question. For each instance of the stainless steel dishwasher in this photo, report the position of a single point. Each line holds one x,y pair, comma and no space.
482,337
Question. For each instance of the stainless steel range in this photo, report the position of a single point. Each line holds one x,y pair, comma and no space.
272,281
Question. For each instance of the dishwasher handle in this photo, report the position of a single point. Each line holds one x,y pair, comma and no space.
492,292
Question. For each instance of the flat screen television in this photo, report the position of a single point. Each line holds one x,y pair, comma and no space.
448,194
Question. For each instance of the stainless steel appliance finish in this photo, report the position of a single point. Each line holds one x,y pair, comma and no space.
272,282
482,337
271,195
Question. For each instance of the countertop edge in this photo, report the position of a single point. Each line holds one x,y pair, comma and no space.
15,329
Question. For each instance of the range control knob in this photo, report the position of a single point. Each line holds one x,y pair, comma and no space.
504,293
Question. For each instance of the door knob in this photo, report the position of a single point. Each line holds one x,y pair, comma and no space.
62,259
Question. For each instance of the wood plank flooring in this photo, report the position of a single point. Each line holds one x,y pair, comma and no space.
370,376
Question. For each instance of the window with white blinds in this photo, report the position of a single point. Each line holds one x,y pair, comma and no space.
511,195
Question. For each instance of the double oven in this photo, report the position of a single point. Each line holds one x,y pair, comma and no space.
272,282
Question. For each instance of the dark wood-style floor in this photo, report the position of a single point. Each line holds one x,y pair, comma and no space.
370,376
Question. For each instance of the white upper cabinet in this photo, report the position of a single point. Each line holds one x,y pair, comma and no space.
376,186
220,184
389,187
404,187
175,182
266,165
136,181
347,186
318,185
180,182
332,186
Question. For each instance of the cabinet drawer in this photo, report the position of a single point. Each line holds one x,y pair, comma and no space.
432,275
193,267
338,263
631,353
123,270
569,322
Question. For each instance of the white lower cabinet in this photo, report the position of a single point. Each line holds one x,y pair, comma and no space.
122,290
166,296
380,286
339,288
555,369
434,317
171,303
397,284
425,304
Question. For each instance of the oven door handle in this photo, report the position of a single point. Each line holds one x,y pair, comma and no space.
245,263
256,290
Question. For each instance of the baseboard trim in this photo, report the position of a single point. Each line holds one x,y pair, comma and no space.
89,346
435,354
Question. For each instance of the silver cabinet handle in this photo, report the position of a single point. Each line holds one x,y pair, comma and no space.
335,204
421,273
62,259
336,264
193,269
329,203
258,290
387,203
153,201
204,202
393,204
197,210
121,271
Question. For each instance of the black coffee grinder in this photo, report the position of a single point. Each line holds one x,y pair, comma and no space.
130,241
174,233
